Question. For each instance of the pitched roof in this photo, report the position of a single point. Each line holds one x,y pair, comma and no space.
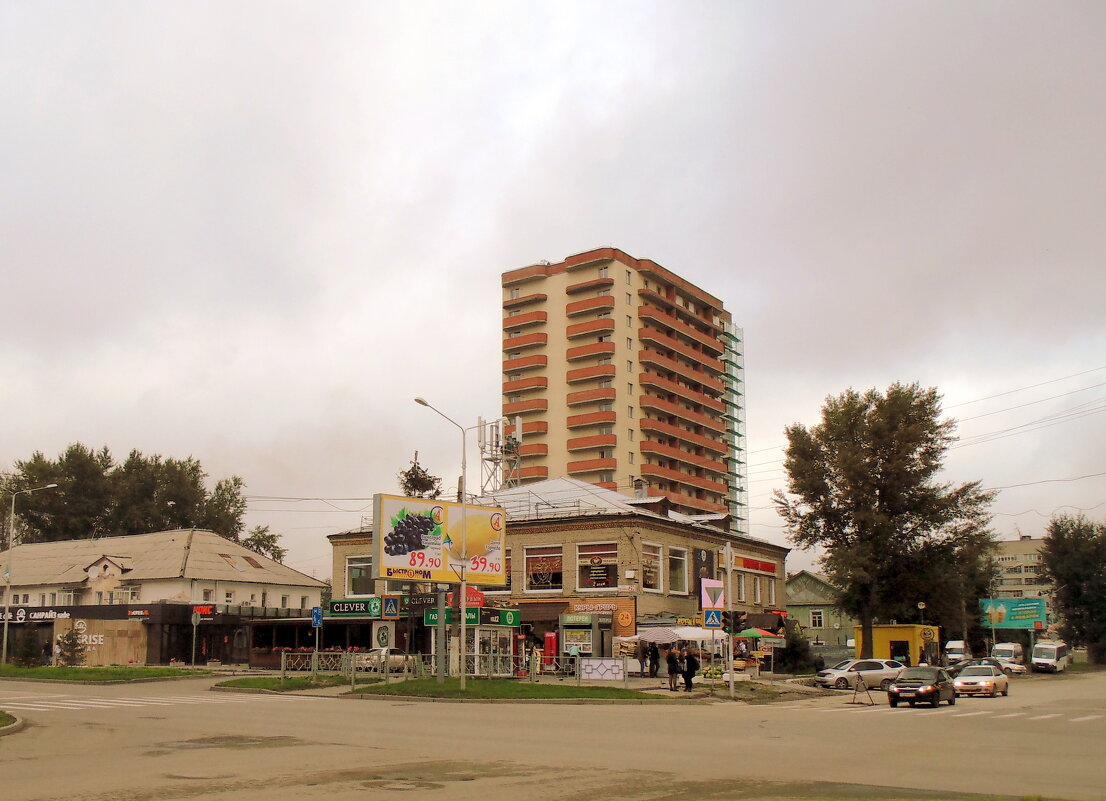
182,553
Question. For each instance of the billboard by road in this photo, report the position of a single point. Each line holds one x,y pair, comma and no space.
415,539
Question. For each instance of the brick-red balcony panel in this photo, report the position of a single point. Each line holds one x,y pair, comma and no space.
525,341
590,396
533,449
674,409
594,441
526,406
665,385
596,371
604,325
525,384
680,368
524,363
525,319
683,478
699,504
589,419
534,472
524,300
670,452
665,429
532,428
589,286
667,342
663,318
592,465
589,305
587,351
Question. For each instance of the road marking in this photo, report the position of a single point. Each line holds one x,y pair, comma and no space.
970,714
1084,718
1044,717
1010,715
62,703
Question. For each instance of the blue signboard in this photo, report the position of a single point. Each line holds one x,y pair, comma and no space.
712,618
316,616
1013,613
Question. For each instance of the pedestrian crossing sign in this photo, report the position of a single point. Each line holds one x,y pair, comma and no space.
390,607
712,618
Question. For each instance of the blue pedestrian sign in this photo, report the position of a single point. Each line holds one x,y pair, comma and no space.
390,608
712,618
316,616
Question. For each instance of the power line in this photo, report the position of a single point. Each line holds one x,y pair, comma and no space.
1046,481
1031,386
1030,403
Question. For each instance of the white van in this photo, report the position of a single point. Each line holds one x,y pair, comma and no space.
1050,656
955,650
1011,651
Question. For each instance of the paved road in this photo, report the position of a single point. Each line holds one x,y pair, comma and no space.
178,741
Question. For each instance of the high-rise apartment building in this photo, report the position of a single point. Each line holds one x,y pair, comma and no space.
627,376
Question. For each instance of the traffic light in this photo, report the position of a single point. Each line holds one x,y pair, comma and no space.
733,622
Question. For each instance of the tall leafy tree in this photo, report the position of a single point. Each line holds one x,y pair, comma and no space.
862,485
96,497
265,542
416,482
1074,560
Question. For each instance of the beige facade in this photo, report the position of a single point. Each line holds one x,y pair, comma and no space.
626,376
1020,571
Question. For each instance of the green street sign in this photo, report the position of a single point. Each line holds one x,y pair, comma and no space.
472,616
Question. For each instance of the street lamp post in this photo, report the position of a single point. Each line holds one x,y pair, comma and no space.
464,535
8,567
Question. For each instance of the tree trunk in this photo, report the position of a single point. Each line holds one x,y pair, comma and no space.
865,613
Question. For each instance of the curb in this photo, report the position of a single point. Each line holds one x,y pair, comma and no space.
12,728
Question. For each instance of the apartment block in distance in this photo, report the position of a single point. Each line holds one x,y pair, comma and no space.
627,376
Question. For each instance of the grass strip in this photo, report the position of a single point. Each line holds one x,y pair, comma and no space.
290,684
93,674
6,719
497,689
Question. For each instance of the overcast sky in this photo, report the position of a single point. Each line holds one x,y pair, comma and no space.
253,232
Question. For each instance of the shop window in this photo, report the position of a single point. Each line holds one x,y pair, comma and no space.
543,568
817,619
677,570
651,567
359,575
597,566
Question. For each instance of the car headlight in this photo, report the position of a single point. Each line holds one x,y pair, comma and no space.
927,689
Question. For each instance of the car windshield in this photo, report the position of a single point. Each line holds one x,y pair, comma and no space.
978,670
927,674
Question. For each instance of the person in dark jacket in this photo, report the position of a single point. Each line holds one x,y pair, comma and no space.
691,667
673,661
654,660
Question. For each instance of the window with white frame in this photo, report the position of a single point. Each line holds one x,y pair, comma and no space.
817,619
756,589
771,592
677,570
603,271
543,568
303,602
651,567
284,601
359,571
741,586
228,598
209,596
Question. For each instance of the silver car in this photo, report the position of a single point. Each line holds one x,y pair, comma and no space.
981,680
875,673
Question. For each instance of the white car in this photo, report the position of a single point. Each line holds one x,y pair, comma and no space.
981,680
875,672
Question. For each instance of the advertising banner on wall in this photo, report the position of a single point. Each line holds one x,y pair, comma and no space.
1012,613
415,539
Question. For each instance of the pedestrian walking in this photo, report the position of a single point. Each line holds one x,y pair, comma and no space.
691,667
642,653
57,653
654,660
672,660
46,652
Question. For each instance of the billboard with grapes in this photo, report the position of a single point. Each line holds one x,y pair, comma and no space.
416,539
